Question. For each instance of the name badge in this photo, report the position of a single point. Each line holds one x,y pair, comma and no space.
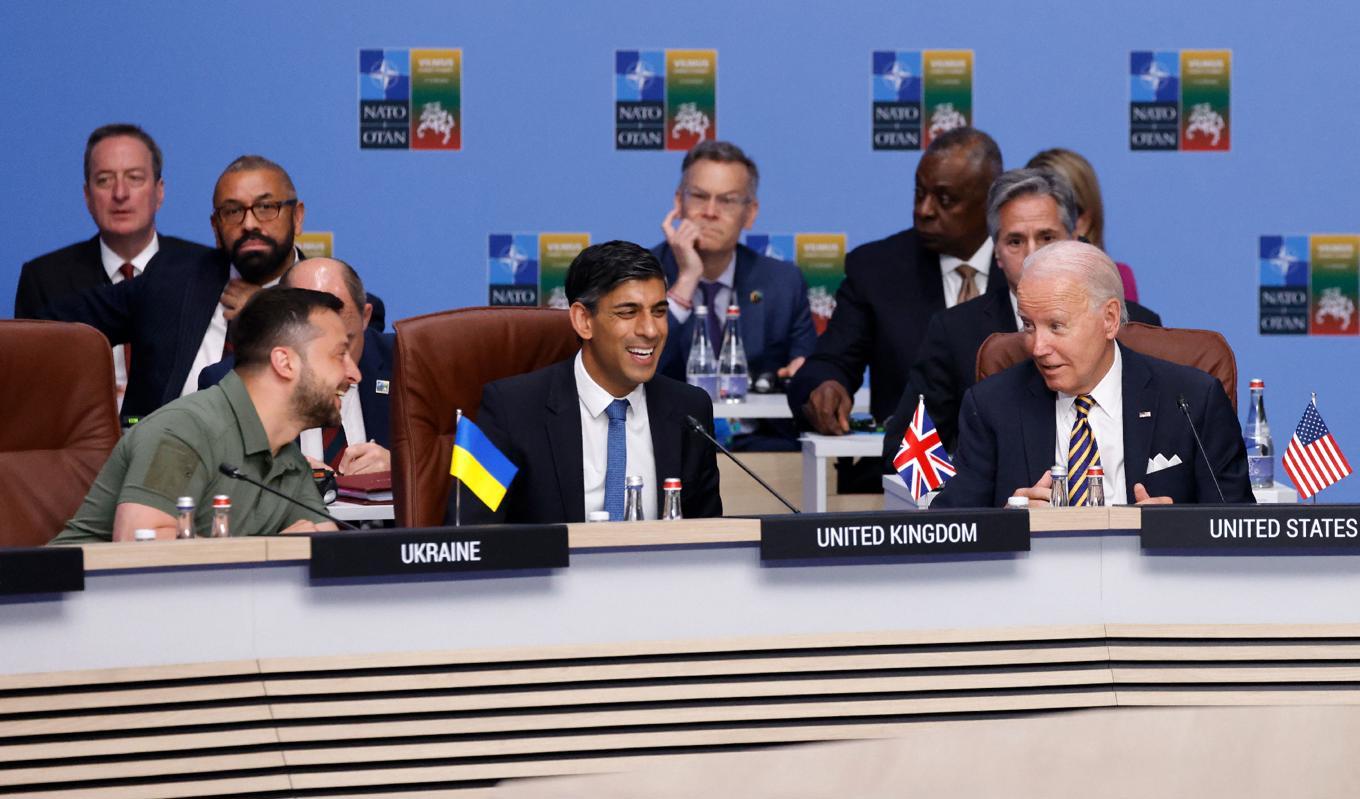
42,570
812,536
439,550
1237,528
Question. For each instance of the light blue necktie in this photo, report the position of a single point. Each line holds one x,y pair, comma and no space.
616,463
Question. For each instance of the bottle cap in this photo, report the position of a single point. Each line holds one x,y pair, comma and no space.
1017,502
671,482
185,503
1095,471
702,310
1058,470
1257,382
632,481
221,501
144,534
598,516
733,310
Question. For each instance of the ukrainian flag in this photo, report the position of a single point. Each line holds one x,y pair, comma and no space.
480,466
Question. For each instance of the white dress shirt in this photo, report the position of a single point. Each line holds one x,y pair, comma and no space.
113,262
1107,425
595,441
351,418
727,281
953,281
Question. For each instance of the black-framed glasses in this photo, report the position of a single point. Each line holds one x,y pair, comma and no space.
266,211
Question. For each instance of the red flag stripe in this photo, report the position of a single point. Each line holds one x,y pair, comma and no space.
1338,460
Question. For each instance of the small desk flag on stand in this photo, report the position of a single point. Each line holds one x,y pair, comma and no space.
479,465
921,459
1312,459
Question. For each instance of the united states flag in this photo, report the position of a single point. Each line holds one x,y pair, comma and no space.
1312,459
921,460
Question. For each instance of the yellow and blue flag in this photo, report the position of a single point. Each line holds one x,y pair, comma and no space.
480,466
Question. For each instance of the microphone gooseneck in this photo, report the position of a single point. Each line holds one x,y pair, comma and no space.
236,474
695,425
1185,409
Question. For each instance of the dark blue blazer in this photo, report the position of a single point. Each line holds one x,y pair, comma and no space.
1007,434
776,322
534,419
79,267
376,365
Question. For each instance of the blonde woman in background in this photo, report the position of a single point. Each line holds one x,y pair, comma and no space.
1091,219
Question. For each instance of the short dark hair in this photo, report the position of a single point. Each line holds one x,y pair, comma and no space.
724,152
1026,182
124,129
251,163
277,317
597,269
982,147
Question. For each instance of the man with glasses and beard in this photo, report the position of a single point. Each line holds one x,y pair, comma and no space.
177,319
293,365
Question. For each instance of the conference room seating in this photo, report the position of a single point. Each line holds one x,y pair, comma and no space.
60,423
443,360
1205,350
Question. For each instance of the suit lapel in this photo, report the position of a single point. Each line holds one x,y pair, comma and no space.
199,299
752,312
563,421
374,406
928,271
92,262
997,307
1140,396
1038,426
667,435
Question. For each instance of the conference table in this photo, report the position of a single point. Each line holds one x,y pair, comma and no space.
234,667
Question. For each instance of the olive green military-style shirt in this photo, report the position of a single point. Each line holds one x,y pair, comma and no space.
176,452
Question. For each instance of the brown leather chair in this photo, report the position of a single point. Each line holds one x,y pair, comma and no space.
1205,350
60,423
443,360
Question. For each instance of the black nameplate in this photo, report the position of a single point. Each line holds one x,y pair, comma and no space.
42,570
811,536
1239,527
438,550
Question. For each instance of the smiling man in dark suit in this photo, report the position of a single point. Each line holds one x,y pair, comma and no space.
124,189
1084,400
578,428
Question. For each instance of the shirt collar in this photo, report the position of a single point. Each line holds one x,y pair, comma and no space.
113,261
980,260
728,277
596,399
253,438
1109,392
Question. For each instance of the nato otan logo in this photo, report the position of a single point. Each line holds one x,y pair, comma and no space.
664,99
512,268
410,99
1179,100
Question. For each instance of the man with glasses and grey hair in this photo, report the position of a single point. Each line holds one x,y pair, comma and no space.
706,265
177,319
1026,210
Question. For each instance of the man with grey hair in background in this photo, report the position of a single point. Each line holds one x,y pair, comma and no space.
1026,209
1084,400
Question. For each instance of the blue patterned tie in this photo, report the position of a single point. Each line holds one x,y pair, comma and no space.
1082,452
616,464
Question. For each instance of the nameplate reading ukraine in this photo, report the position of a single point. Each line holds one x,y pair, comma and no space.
1244,527
42,570
813,536
439,550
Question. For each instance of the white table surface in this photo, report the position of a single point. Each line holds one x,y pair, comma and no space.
773,406
818,448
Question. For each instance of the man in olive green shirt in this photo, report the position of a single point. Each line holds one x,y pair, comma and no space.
292,368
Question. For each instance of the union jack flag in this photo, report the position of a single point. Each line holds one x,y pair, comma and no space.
1312,459
921,460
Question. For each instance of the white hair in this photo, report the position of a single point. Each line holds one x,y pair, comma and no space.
1085,263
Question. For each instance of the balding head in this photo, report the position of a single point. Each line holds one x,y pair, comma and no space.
336,277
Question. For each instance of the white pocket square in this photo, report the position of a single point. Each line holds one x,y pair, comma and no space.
1160,462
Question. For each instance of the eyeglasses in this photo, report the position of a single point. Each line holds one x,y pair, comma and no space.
267,211
727,203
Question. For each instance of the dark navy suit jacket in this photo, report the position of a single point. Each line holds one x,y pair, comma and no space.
776,322
375,366
534,419
1007,435
80,266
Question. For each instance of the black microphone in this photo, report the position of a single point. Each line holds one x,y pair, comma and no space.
1185,408
699,428
235,474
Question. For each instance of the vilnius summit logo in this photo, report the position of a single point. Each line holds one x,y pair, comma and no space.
665,99
410,99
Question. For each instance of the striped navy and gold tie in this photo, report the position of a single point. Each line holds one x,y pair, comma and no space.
1082,453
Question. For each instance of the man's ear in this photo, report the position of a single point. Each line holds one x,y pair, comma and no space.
285,362
1110,318
368,314
582,321
299,211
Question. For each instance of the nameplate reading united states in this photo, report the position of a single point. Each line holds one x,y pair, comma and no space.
1246,527
42,570
440,550
812,536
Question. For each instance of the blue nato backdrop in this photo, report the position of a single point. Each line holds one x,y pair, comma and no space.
211,81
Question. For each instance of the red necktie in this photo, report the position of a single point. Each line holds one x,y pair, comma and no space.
333,445
126,271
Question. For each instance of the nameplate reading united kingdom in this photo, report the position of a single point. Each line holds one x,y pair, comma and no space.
440,550
42,570
813,536
1253,527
